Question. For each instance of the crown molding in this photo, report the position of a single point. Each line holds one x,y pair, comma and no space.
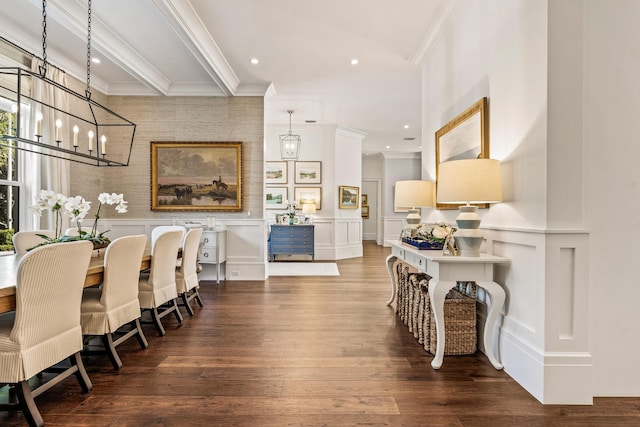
446,14
402,155
253,89
189,27
350,133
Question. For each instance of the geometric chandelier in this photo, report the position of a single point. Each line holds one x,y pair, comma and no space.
79,130
289,143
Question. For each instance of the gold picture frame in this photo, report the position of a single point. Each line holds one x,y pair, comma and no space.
464,137
365,211
276,172
349,197
196,176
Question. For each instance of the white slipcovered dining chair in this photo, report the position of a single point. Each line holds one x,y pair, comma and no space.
25,240
107,309
156,231
45,327
186,275
158,289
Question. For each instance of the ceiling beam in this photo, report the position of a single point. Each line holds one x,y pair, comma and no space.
73,15
189,27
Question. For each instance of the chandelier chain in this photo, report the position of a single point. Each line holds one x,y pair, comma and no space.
43,68
88,91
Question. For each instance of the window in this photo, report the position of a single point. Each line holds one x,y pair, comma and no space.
9,183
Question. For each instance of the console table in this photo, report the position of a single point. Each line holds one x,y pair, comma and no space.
214,248
445,271
292,240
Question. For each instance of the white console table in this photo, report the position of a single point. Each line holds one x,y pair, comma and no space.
445,271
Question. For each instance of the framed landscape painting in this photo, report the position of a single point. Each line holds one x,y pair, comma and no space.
275,173
308,173
275,197
349,197
196,176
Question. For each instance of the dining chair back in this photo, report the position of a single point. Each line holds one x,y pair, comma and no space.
25,240
45,327
105,310
158,290
156,231
186,275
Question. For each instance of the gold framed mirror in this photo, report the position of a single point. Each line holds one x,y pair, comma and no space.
464,137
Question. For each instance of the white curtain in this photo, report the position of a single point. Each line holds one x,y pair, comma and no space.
38,171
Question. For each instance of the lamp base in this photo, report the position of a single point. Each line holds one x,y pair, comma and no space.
469,237
413,221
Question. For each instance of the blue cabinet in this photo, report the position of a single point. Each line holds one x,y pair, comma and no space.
291,240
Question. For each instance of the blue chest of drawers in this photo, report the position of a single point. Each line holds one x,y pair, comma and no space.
291,240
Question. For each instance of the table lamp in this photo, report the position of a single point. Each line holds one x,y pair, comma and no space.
469,181
413,195
308,208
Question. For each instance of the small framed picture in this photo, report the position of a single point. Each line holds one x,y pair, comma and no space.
308,173
274,197
349,197
276,173
365,212
365,200
308,193
284,219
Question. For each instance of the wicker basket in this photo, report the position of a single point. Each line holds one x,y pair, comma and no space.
414,309
459,322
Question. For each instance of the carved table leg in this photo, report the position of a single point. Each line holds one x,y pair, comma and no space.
497,296
390,260
438,290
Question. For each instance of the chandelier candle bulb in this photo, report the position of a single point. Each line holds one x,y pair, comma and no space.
75,135
90,134
39,124
58,130
103,143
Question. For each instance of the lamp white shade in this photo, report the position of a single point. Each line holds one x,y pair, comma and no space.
414,194
469,181
309,206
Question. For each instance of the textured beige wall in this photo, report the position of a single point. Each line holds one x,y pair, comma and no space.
179,119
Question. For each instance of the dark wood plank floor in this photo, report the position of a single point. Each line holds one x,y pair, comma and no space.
310,351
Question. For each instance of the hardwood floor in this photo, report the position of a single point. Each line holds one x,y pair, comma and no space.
303,351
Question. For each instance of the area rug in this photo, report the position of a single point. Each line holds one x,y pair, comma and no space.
303,269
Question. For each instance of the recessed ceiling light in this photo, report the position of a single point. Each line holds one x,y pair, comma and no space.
354,61
95,60
406,126
388,146
254,61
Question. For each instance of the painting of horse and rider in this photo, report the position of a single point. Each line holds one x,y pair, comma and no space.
196,176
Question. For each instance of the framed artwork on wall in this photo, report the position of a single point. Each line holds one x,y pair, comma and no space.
349,197
365,211
196,176
464,137
274,197
308,193
365,200
308,173
276,173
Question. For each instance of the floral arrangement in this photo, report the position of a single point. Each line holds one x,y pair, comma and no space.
76,208
435,232
291,209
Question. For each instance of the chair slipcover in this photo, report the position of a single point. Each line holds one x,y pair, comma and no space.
24,240
156,231
160,286
45,328
187,275
116,303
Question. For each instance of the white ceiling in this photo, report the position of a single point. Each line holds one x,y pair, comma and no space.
204,47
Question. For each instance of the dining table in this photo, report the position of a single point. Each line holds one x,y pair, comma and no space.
9,269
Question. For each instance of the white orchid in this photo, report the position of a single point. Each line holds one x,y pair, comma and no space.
76,208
